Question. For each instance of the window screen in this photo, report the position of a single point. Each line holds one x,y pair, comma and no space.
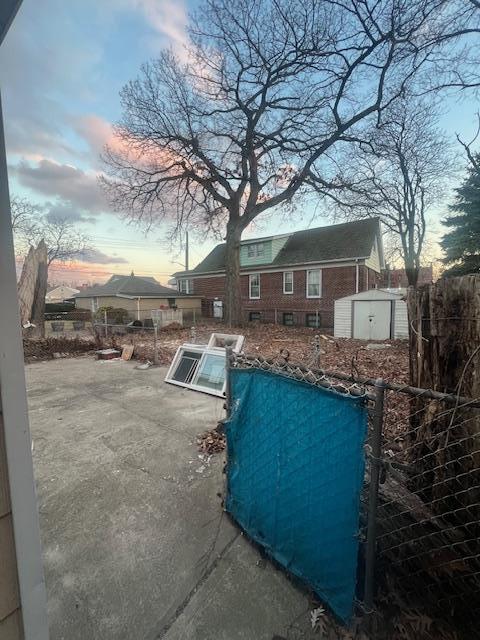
186,367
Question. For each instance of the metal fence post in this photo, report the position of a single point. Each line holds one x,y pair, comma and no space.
155,356
375,463
228,389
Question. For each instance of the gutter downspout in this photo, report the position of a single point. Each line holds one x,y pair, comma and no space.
357,275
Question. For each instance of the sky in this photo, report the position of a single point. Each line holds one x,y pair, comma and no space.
62,66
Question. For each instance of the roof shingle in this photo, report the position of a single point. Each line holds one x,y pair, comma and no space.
130,286
322,244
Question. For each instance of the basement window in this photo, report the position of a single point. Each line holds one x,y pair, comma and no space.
313,320
254,316
288,319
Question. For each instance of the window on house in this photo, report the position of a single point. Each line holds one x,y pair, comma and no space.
254,316
288,282
94,305
185,285
314,283
256,250
254,286
288,319
312,320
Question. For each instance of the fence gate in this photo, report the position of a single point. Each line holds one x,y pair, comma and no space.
295,474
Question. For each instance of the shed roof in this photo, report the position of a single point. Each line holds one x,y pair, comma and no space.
373,294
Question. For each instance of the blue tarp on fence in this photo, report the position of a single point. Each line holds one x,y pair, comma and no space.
295,473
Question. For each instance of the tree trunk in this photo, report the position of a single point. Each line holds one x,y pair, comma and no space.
411,271
445,356
233,294
38,307
32,289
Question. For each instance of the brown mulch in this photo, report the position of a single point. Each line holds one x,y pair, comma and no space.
50,348
345,355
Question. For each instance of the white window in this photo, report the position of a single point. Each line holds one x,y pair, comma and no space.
254,286
314,283
288,282
256,250
94,305
185,286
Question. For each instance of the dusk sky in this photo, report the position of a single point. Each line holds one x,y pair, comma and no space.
62,66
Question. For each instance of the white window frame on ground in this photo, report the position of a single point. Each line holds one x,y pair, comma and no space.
319,283
185,285
195,373
256,250
250,280
222,340
285,273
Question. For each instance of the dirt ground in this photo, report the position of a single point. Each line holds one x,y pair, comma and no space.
353,357
268,340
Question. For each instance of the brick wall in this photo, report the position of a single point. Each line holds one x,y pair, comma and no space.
336,283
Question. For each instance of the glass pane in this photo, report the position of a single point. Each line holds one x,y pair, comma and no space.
313,277
186,367
211,373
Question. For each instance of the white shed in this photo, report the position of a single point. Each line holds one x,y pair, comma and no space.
377,314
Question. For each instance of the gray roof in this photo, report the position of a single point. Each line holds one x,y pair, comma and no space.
130,286
322,244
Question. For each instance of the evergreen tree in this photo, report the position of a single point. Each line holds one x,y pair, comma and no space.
462,243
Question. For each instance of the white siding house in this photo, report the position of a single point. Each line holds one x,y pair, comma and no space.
371,315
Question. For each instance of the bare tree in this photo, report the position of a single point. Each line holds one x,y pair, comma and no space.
253,115
24,214
398,176
64,241
30,225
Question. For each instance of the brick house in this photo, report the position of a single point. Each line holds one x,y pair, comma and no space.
397,278
294,278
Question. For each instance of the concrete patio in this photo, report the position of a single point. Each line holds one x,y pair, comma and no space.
136,545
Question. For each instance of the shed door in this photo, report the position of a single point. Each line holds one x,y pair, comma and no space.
372,319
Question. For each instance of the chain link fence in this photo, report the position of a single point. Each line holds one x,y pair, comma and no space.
419,563
294,477
429,504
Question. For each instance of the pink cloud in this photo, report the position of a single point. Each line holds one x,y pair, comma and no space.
98,133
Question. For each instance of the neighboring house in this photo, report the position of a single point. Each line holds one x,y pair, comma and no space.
294,278
397,278
60,294
139,296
